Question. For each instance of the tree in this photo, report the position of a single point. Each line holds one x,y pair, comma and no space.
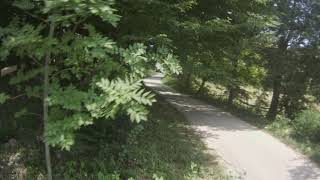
79,74
296,25
216,43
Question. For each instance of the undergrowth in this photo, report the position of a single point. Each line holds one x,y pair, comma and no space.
164,147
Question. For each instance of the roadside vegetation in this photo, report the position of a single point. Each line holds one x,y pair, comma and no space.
163,147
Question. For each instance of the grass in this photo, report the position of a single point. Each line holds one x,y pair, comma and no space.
177,152
164,146
282,128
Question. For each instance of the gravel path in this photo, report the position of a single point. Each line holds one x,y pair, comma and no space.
246,151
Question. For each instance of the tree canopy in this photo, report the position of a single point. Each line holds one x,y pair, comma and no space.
82,61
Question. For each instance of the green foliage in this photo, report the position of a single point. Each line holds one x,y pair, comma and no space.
96,60
22,76
23,39
80,9
121,95
258,43
167,62
113,176
219,45
307,125
289,53
156,177
134,56
300,133
61,132
20,113
164,145
87,70
72,171
3,98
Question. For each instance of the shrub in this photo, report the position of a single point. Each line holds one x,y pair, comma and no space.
307,125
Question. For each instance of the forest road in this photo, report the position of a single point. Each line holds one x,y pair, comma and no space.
246,152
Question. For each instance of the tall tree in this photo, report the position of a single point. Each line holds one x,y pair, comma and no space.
215,40
289,74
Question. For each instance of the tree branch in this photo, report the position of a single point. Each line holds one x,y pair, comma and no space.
55,74
34,16
78,23
13,98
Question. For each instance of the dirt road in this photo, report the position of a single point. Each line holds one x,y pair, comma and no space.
245,150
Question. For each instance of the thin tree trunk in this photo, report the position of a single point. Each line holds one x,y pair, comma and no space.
231,95
45,105
273,109
233,88
286,106
203,83
187,82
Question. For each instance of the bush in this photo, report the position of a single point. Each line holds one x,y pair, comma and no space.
307,125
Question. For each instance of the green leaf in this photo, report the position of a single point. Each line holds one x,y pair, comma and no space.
20,113
3,98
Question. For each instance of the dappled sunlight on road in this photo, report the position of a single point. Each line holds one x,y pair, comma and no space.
244,149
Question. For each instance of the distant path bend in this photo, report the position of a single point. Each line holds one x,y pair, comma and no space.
245,149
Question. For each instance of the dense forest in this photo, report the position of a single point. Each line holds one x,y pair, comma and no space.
72,70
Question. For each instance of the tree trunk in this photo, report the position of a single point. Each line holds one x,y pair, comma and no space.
273,109
282,47
187,80
45,105
287,107
234,76
232,94
203,83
